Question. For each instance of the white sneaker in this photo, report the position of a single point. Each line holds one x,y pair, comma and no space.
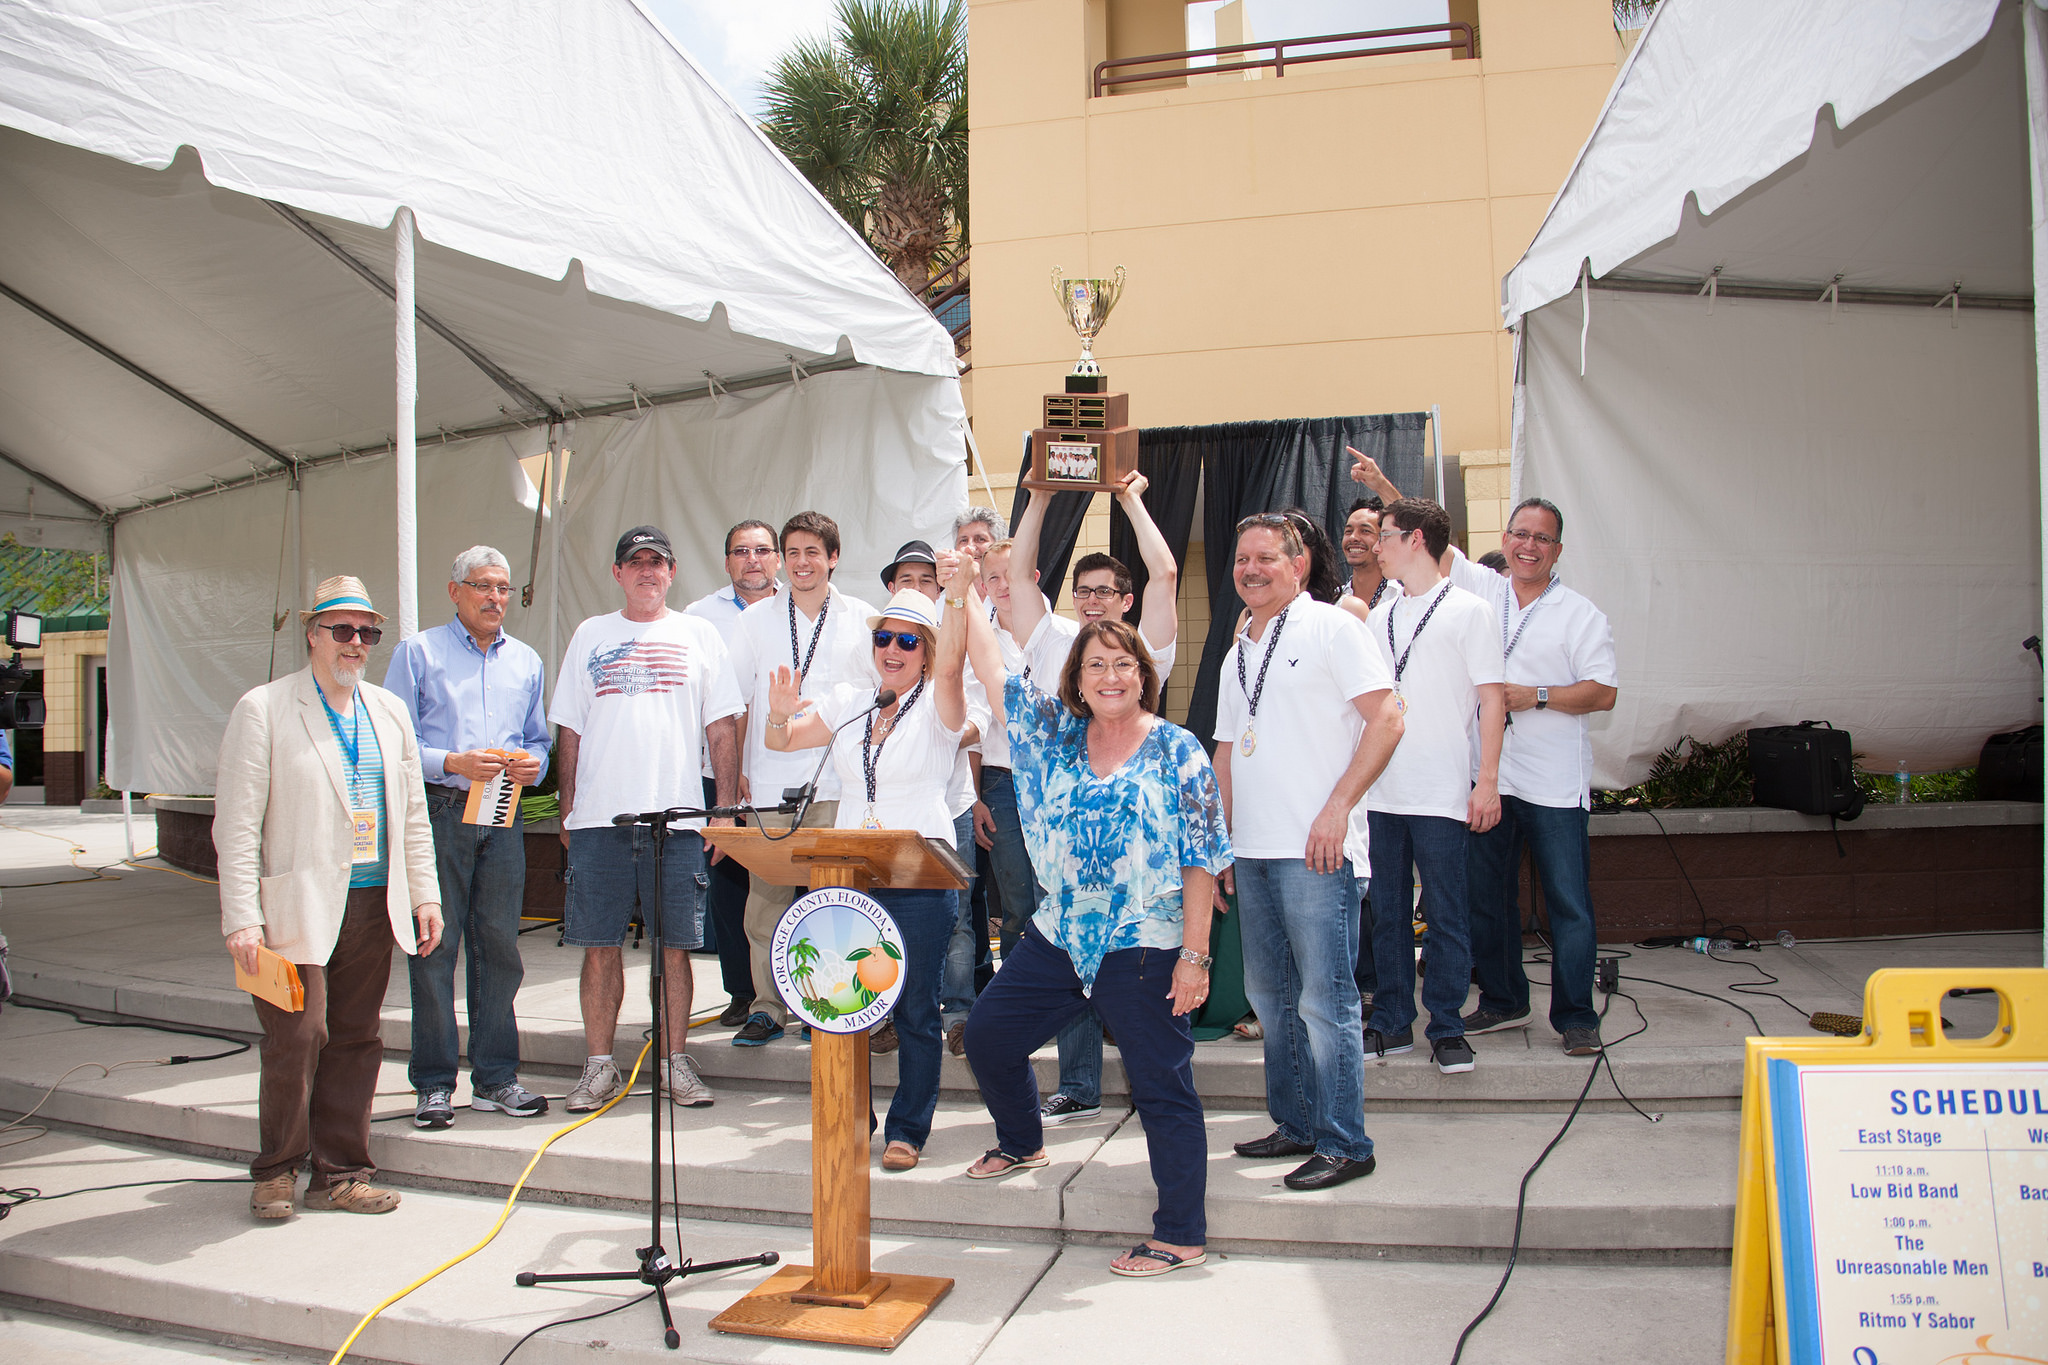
685,1087
599,1082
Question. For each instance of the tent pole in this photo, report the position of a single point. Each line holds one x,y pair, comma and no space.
2034,44
1436,440
406,458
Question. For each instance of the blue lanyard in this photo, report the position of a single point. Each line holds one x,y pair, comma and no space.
351,743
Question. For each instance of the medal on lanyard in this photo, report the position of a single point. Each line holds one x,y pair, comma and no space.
1248,742
1401,657
1507,646
871,752
873,821
362,819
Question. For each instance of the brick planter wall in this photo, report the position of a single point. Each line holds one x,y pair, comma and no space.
184,833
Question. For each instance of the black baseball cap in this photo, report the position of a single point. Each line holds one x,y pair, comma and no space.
643,537
910,552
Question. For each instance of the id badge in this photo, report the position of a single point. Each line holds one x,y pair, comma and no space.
365,822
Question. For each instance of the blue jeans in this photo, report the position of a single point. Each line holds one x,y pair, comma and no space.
483,885
1435,844
1033,996
725,917
1017,889
1080,1044
925,919
1300,934
956,995
1556,836
1366,975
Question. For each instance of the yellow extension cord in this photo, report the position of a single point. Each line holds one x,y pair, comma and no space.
506,1212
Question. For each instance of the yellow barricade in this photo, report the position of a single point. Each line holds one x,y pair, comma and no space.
1861,1224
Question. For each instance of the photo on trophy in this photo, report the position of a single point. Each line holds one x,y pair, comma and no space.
1076,462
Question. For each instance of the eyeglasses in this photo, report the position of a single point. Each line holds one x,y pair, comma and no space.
485,590
1124,667
752,552
1264,519
909,641
1524,537
1104,594
369,635
1393,533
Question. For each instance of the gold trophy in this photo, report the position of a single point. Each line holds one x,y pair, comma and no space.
1087,443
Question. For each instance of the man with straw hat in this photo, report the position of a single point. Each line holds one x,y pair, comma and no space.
327,860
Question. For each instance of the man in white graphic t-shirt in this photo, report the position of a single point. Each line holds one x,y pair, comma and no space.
1437,639
1302,729
1103,592
642,695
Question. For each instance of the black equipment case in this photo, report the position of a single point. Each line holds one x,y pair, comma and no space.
2009,769
1805,767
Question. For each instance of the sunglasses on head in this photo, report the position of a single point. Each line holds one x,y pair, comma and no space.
369,635
909,641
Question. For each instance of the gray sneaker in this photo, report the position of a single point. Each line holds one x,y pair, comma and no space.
510,1098
1582,1042
685,1087
599,1082
434,1108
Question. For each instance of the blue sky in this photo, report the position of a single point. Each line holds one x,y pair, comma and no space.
737,41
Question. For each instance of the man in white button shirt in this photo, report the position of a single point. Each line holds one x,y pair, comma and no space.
820,634
1438,640
1102,592
1560,668
751,563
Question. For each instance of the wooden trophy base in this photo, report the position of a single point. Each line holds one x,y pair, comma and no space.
881,1314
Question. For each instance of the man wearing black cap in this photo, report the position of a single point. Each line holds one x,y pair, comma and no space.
642,696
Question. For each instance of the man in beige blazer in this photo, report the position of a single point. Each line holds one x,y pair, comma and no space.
327,859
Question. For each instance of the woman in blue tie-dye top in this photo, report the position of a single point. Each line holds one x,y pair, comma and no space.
1125,826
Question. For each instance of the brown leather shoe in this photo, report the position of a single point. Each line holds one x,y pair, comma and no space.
352,1196
272,1198
956,1038
899,1156
884,1039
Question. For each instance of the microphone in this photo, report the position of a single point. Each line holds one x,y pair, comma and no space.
796,799
655,817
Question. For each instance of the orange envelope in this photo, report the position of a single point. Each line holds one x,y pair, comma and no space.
276,980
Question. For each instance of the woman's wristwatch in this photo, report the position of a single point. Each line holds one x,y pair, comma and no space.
1202,960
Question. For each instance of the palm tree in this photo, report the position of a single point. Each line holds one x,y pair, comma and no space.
876,118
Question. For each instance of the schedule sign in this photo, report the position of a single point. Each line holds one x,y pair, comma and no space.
1913,1211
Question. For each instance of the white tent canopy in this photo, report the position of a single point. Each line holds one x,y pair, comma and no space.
196,267
1799,487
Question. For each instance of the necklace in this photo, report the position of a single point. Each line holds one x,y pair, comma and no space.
871,752
1248,741
1401,656
816,631
1507,646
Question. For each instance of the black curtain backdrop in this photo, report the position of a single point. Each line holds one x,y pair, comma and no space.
1056,538
1252,467
1173,470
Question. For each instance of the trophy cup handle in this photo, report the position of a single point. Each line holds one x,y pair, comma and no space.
1116,290
1058,294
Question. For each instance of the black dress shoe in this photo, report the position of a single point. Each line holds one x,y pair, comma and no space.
1272,1145
736,1013
1327,1172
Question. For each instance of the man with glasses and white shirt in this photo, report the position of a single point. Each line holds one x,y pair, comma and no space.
474,694
1102,592
1302,729
1560,669
751,563
821,635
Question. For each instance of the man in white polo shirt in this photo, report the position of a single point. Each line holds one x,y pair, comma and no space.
751,563
1438,641
1560,668
820,634
1302,731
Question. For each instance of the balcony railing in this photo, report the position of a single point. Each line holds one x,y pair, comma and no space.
948,297
1458,39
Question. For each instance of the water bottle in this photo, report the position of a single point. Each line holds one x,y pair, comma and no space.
1785,939
1905,781
1708,945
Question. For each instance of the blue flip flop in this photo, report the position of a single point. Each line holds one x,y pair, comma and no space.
1166,1261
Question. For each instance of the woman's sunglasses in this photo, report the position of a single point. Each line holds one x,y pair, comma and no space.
369,635
909,641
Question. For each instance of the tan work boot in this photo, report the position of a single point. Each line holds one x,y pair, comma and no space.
272,1198
352,1196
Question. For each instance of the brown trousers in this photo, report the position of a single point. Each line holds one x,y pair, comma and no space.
320,1063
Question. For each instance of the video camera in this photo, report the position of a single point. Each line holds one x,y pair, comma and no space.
18,710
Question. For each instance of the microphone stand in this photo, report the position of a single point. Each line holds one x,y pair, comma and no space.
656,1269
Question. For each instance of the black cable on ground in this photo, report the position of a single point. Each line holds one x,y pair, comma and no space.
29,1194
1757,987
1522,1197
235,1051
1719,999
564,1322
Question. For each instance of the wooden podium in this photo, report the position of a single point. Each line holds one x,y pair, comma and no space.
840,1300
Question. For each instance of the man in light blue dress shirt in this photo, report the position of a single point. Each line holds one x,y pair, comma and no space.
472,689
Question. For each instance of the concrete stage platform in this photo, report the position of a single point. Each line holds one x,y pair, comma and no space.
1625,1211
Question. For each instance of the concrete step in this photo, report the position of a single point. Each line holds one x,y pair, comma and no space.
144,1276
1695,1067
1618,1187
